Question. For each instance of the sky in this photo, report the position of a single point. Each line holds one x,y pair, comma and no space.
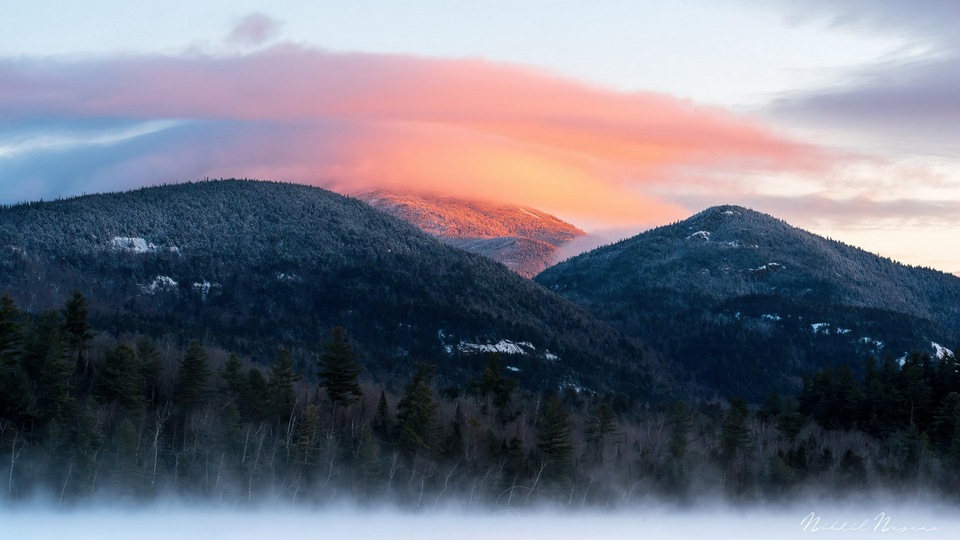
840,116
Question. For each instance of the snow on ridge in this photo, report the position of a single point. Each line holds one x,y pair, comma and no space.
703,236
504,346
939,351
159,283
770,266
135,244
132,245
204,287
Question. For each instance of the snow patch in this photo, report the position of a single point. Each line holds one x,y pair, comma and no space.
703,236
503,346
529,213
287,277
132,245
512,368
769,267
870,341
821,328
550,356
159,283
939,351
204,287
771,317
843,331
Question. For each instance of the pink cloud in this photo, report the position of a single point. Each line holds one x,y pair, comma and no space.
463,127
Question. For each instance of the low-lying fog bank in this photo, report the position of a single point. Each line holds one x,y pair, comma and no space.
824,520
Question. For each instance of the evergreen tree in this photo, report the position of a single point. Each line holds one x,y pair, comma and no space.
733,432
455,444
17,400
415,412
381,419
11,331
280,387
555,442
121,378
256,401
681,421
76,327
338,371
235,382
601,424
45,362
148,357
192,385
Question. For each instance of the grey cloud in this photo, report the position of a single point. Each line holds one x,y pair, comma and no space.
909,106
254,29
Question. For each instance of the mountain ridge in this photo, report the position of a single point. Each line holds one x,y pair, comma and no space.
257,264
728,282
524,239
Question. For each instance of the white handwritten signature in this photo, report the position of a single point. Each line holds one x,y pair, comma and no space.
882,523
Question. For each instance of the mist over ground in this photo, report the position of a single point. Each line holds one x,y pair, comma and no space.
180,521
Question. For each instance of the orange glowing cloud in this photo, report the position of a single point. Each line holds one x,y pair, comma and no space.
359,121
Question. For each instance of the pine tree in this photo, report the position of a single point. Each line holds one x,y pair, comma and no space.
256,401
121,378
45,362
193,377
415,412
733,432
555,442
381,420
680,423
149,358
76,327
338,371
17,401
280,386
11,331
234,380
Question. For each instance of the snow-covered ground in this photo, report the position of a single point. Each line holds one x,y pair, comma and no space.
824,520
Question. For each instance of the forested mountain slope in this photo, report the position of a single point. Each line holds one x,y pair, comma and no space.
526,240
253,265
750,303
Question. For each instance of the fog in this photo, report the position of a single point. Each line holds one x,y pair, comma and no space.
183,522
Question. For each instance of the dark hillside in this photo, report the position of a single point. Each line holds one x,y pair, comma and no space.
749,302
251,265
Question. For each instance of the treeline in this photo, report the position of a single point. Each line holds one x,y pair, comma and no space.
85,415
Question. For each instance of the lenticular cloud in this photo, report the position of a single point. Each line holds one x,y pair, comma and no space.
356,121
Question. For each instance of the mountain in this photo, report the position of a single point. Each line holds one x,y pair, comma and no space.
255,265
750,303
524,239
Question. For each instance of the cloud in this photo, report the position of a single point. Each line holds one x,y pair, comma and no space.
355,121
254,29
908,103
